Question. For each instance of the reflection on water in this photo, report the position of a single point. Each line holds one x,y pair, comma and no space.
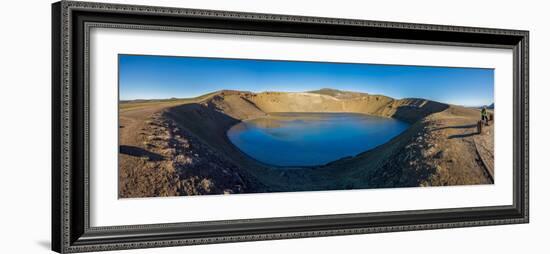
307,139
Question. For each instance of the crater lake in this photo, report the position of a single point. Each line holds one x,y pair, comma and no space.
310,139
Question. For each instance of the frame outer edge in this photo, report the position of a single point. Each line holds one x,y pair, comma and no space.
526,137
56,129
176,11
65,121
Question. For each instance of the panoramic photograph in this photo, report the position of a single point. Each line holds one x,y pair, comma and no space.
202,126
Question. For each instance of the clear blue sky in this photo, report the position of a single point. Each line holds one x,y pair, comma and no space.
159,77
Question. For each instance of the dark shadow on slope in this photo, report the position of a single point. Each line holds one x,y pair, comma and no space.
463,135
456,127
203,120
417,109
140,152
207,123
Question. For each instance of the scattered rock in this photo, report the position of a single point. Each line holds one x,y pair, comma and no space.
207,185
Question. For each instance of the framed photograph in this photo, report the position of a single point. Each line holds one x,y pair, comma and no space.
182,126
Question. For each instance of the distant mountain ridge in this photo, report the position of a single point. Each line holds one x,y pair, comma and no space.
341,94
492,106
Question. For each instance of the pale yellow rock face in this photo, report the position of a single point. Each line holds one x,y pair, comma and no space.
246,105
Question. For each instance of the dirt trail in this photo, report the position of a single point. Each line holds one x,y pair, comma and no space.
139,172
454,132
485,148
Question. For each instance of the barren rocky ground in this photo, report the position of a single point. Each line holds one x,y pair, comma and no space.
180,147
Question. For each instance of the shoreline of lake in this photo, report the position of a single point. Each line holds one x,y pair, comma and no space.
276,137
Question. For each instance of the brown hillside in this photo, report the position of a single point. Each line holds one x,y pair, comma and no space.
196,157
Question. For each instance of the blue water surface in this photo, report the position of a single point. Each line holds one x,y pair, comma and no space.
308,139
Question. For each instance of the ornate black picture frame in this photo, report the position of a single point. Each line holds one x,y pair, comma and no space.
71,230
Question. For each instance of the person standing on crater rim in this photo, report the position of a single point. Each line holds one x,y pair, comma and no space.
484,117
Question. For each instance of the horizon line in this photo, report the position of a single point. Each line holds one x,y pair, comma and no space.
309,91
